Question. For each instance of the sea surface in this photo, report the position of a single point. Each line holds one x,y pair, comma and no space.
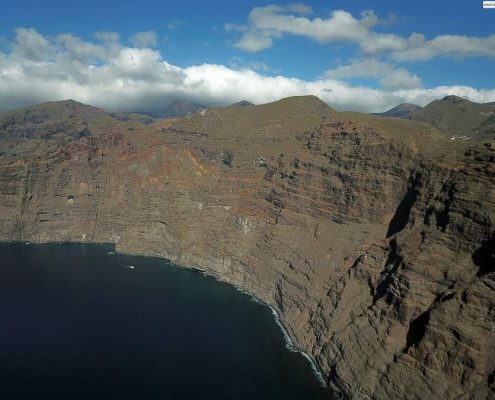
79,323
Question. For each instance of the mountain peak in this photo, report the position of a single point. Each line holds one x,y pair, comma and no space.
242,103
453,99
60,109
68,118
400,111
457,117
308,101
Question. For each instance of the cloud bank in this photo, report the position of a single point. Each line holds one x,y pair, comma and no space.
389,76
106,73
273,22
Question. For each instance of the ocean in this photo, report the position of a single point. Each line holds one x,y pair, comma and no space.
78,321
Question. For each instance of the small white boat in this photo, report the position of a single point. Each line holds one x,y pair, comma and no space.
129,266
111,252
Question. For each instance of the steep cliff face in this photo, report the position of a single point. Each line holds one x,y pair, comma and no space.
373,238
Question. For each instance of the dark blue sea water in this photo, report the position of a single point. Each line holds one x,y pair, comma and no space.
76,323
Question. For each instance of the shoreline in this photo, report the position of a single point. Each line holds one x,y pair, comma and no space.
289,340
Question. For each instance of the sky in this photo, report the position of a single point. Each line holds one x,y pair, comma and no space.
362,55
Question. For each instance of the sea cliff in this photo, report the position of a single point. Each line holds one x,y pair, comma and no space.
372,238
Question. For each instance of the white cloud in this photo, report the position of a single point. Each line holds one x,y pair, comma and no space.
390,76
455,46
107,37
256,40
80,50
144,39
237,62
31,45
271,22
400,79
115,77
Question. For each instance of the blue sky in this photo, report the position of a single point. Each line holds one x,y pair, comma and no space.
326,47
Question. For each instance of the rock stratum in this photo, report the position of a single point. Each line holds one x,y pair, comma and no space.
373,238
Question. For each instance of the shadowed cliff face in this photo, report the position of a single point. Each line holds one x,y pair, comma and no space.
373,238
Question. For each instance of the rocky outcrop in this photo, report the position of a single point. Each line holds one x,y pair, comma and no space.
373,238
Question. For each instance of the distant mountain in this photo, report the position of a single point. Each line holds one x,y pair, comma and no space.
178,108
51,110
400,111
67,119
242,103
125,116
457,117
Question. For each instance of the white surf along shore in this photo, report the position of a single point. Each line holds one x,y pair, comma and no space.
289,341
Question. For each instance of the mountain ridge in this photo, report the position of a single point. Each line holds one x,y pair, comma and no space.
456,116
